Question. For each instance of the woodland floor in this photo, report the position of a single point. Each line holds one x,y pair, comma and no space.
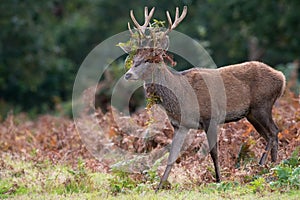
46,158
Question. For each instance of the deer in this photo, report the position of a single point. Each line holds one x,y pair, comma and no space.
202,98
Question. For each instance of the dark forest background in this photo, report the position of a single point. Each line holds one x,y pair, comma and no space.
43,43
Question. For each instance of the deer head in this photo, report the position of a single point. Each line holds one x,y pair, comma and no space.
148,45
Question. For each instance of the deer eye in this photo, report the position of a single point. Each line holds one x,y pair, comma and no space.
138,63
148,60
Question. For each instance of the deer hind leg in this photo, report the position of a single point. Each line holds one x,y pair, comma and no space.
212,138
266,127
274,149
214,156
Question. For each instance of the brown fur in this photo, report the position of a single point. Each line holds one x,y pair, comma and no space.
250,84
247,85
251,89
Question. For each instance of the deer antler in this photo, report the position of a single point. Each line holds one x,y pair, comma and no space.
177,19
141,29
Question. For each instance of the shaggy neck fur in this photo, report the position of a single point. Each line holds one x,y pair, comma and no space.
165,86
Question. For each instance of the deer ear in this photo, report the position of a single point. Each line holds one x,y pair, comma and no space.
126,47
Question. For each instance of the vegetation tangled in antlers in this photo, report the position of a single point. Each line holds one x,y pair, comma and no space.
155,39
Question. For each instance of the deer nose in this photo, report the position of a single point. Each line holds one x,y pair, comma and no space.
127,76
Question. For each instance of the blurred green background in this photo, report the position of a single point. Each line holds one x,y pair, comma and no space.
42,43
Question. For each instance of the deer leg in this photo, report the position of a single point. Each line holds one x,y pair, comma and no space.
274,149
212,138
264,156
214,156
176,146
265,126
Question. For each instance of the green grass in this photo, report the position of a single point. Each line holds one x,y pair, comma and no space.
173,194
43,180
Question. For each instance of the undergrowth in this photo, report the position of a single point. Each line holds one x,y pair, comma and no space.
283,177
287,173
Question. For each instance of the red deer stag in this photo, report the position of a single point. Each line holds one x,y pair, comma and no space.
250,90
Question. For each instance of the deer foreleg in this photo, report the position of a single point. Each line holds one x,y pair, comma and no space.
176,146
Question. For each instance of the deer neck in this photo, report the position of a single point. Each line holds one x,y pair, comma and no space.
160,90
161,84
160,75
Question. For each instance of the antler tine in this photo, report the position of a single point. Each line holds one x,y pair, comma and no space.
177,19
134,21
176,13
129,28
145,14
169,20
148,17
